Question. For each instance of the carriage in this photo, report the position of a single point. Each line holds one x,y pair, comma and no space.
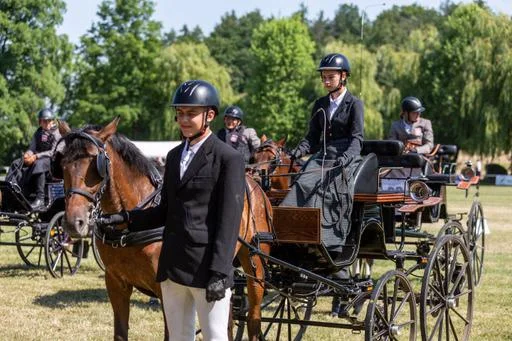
436,271
38,234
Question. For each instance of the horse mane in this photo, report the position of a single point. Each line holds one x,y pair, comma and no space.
129,153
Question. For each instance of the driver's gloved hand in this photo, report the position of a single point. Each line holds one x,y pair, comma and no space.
113,219
296,154
216,287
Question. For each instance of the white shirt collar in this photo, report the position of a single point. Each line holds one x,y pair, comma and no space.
335,103
194,148
338,99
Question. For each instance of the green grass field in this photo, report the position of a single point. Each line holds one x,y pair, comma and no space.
34,306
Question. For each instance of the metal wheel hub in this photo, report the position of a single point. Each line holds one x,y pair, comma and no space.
394,330
451,302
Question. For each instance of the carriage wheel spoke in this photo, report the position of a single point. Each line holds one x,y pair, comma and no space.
437,326
458,279
278,310
452,328
56,261
460,315
405,300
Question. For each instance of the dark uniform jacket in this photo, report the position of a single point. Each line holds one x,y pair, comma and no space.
243,139
201,213
347,123
421,134
43,144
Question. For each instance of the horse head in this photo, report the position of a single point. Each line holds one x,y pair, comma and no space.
102,172
271,157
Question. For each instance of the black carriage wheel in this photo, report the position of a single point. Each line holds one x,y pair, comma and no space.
391,313
453,228
29,243
281,317
63,254
446,299
476,232
96,253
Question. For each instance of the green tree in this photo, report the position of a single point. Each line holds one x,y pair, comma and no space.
178,63
393,26
229,44
34,61
346,25
320,29
468,80
281,50
116,67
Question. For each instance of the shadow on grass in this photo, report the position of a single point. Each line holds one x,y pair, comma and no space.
23,270
69,298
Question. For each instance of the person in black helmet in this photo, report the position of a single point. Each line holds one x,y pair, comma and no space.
201,208
336,132
414,131
38,156
237,135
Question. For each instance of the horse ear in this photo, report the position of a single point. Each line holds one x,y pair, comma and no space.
109,130
64,128
263,138
282,141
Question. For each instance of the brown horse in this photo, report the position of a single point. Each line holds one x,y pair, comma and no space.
271,157
103,170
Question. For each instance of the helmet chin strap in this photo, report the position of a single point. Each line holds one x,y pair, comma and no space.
341,84
201,132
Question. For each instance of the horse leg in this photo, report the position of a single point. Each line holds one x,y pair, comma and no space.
119,293
255,289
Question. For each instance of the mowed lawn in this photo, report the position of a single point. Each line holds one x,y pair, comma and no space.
35,306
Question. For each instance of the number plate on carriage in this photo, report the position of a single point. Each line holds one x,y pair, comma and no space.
297,224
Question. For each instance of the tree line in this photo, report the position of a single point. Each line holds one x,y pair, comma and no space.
456,59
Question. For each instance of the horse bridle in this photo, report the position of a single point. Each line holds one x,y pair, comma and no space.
275,151
102,153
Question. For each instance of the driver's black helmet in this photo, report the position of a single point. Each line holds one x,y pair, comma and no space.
196,93
235,112
412,104
45,114
334,61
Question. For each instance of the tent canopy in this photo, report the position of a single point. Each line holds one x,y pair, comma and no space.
152,149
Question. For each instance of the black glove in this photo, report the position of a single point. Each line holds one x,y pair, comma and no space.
296,153
113,219
216,287
342,161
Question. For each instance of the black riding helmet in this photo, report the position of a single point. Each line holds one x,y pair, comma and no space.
412,104
196,93
45,114
235,112
334,61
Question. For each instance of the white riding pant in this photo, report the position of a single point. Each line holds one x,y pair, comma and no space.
180,305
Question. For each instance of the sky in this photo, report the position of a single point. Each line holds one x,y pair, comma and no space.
208,13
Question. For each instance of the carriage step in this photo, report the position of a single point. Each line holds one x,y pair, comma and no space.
265,237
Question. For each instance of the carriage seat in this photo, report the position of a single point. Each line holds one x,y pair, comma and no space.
410,160
366,175
447,150
390,154
382,147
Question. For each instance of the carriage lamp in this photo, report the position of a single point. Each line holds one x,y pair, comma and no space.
419,191
467,172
